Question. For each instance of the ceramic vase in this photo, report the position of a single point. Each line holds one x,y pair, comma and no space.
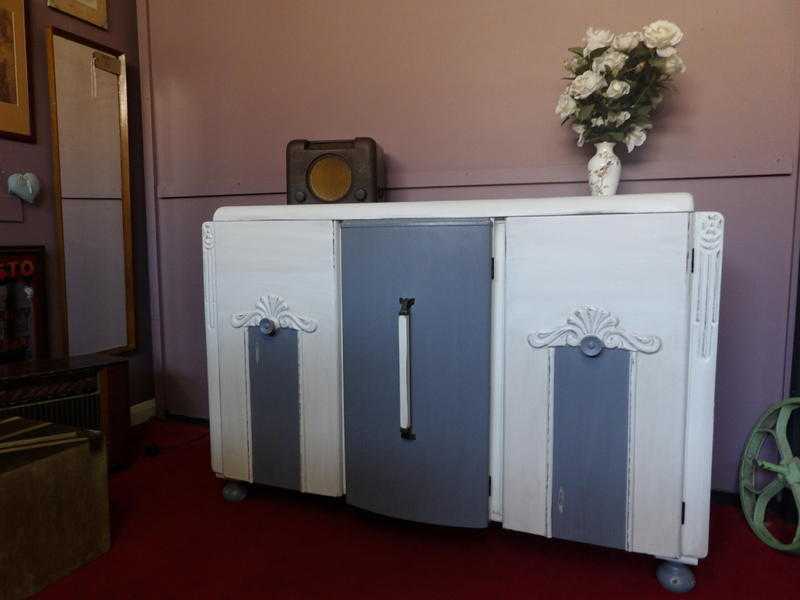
605,169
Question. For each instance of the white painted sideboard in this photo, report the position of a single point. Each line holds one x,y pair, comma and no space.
572,370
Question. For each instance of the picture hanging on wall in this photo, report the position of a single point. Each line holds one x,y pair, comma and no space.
16,120
91,11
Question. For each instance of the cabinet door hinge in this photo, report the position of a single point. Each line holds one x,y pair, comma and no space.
492,267
683,513
691,261
490,487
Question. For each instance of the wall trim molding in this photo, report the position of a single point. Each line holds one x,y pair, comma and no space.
143,412
794,270
549,174
150,173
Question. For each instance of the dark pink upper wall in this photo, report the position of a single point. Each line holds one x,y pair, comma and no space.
461,93
38,222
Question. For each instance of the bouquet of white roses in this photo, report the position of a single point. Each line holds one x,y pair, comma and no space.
616,81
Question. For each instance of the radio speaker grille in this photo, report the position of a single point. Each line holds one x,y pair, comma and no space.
330,178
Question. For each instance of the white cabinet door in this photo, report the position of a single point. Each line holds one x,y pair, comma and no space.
283,272
620,281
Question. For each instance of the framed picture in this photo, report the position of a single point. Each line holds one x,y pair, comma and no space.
23,328
91,11
16,120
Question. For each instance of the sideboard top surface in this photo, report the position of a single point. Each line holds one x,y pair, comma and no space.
578,205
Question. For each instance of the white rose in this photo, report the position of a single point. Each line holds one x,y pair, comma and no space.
598,122
627,41
666,52
596,38
635,138
673,65
566,105
660,34
618,118
581,131
617,89
586,84
610,60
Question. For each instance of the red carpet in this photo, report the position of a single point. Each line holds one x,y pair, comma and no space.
175,537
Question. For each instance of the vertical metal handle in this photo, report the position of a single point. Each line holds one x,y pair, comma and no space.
404,366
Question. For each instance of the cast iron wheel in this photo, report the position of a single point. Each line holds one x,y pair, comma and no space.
773,424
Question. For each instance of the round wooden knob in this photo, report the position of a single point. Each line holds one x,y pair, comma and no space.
591,345
268,327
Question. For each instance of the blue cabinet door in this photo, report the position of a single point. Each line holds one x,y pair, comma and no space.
435,467
274,407
590,446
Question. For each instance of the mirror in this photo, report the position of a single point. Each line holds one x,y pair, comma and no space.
91,185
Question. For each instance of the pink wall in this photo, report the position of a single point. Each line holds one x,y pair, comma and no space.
461,93
35,225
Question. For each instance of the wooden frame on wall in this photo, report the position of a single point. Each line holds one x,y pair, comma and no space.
127,228
91,11
16,119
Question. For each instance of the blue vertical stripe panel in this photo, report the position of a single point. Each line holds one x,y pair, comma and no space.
442,475
275,408
590,446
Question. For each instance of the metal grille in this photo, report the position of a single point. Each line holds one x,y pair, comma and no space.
32,390
76,411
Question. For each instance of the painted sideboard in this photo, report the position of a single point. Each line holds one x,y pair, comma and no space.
548,364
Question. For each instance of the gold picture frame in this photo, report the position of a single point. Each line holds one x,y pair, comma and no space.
91,11
16,120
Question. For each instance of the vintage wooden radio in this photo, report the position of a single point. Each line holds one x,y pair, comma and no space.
334,171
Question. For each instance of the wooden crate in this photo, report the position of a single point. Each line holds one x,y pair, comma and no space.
53,501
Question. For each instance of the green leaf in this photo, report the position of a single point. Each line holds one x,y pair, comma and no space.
596,52
577,50
641,51
585,111
615,136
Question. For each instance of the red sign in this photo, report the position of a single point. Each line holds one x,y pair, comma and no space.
17,268
22,329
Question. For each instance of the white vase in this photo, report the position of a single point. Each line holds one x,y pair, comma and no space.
604,170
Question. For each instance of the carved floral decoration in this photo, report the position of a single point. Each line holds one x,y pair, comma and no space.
276,309
591,322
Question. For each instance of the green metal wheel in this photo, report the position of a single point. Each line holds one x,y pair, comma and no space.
781,475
